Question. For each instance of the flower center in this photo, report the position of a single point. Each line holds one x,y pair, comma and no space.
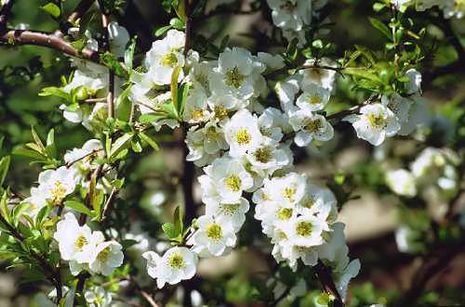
289,193
104,254
198,114
58,193
263,154
229,209
243,136
220,112
284,214
314,125
376,120
176,261
234,78
314,99
80,242
169,59
214,232
304,229
308,202
233,182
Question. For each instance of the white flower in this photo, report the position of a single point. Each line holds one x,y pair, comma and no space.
205,143
98,297
310,127
200,75
318,76
236,74
213,237
90,77
178,263
164,56
234,212
320,202
272,62
35,202
195,110
107,256
335,250
401,182
314,98
286,91
374,123
242,133
342,281
268,157
291,14
303,231
75,242
288,189
414,85
81,158
225,180
223,104
57,184
402,235
273,123
118,37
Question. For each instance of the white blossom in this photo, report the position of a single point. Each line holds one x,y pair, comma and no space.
106,257
177,263
374,123
213,237
309,127
57,184
401,182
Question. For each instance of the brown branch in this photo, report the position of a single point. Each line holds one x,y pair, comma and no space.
79,11
431,266
5,12
12,37
326,280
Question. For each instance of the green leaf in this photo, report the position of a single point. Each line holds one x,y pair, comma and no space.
129,54
112,62
174,86
381,27
52,9
182,98
37,139
178,220
170,230
24,152
162,30
124,105
55,91
121,143
4,166
147,139
78,207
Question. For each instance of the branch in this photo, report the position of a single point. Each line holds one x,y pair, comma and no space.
79,11
5,12
426,271
324,276
25,37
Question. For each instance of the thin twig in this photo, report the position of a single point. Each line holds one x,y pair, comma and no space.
13,37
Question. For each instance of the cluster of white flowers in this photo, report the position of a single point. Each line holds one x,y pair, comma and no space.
86,249
433,169
294,16
394,115
244,148
451,8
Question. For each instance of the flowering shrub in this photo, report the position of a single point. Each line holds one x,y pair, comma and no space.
246,119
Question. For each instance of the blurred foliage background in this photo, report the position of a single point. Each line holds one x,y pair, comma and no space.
371,218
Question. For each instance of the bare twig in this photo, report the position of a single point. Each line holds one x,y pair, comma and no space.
25,37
